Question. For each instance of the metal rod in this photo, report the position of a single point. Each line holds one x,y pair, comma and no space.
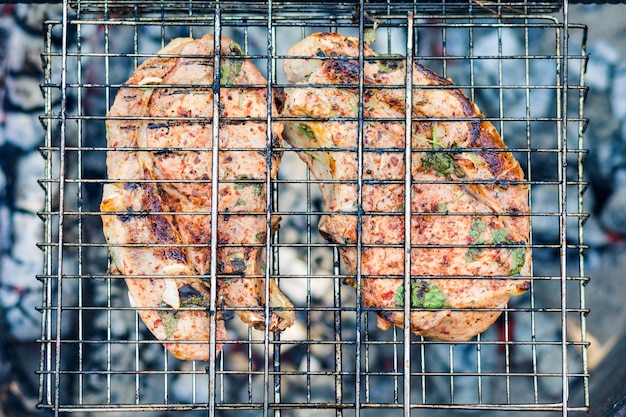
359,219
408,190
61,227
268,217
581,220
337,329
45,382
564,61
217,36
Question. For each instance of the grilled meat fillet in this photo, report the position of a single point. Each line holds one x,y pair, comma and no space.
157,208
154,295
468,231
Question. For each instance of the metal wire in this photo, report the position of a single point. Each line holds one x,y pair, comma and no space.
339,363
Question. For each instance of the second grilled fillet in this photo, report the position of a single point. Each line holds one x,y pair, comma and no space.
157,209
469,229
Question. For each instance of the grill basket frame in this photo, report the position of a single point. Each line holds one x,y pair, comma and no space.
78,293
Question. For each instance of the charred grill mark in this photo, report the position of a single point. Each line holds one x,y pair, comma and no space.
150,199
154,125
465,105
475,131
130,186
482,139
174,254
391,64
387,315
327,235
276,143
203,62
340,71
195,90
494,162
130,214
197,233
235,266
191,297
238,266
279,99
163,152
157,65
162,230
523,286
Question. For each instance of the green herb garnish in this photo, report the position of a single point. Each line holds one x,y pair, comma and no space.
229,71
476,229
423,295
371,104
306,131
169,319
258,187
474,158
443,207
193,300
441,162
394,62
498,237
230,68
435,144
476,235
519,259
369,35
398,297
240,185
315,156
472,254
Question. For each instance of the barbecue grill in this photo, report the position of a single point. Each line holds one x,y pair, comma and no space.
522,62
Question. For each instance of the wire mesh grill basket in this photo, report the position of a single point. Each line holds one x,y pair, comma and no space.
523,63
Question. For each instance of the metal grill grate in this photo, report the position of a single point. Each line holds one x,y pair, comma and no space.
522,62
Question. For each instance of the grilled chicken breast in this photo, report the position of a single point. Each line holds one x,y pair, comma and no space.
157,207
469,235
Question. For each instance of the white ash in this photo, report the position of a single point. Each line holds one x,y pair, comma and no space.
613,216
601,66
546,217
618,94
27,197
16,265
23,130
